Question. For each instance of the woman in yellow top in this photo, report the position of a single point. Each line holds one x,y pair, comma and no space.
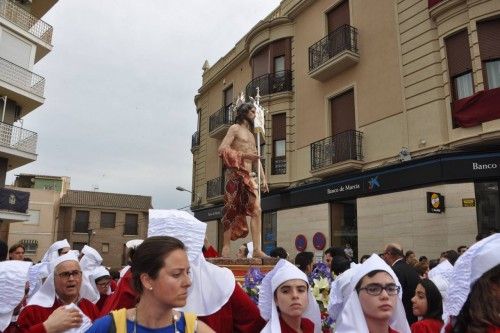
160,271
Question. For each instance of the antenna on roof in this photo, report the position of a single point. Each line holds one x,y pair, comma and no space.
95,187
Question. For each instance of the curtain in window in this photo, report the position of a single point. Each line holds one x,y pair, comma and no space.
493,70
463,85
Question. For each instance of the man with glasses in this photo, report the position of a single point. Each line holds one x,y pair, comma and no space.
60,304
407,275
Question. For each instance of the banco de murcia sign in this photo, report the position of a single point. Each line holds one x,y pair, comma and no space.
477,166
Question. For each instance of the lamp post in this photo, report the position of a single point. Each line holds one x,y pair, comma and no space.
89,233
198,197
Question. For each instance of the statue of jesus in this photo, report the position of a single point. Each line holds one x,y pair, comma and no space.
241,197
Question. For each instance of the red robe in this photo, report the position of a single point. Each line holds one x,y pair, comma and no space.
32,317
427,326
306,325
210,252
124,296
239,315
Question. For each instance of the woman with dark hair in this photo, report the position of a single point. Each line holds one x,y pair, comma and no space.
427,305
304,261
160,274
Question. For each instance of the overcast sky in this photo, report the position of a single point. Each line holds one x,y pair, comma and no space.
120,83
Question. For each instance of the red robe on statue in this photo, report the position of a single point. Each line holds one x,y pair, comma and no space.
427,326
124,296
32,317
239,315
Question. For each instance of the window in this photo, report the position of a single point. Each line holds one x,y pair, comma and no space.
459,65
463,85
488,33
34,217
108,220
78,245
105,248
338,16
342,113
493,74
279,144
81,221
30,245
279,65
269,231
131,224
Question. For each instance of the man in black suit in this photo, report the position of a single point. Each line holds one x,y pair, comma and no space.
407,275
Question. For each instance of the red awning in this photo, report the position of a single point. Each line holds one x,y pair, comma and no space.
476,109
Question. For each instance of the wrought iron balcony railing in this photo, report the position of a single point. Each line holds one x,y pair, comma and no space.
21,77
270,83
18,138
278,165
215,187
224,116
334,149
31,24
344,38
195,140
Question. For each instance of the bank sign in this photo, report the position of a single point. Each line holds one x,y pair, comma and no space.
435,203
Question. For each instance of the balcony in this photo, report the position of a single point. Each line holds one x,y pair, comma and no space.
14,205
334,53
195,141
215,190
220,121
30,25
21,85
270,84
336,154
18,145
278,166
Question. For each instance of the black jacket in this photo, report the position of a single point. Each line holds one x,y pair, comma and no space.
409,278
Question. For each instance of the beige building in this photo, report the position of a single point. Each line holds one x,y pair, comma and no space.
25,39
104,221
383,123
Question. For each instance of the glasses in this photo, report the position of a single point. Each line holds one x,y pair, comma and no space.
375,289
67,275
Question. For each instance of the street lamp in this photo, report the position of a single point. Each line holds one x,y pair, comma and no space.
198,197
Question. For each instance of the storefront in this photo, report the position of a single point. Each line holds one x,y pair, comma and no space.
371,208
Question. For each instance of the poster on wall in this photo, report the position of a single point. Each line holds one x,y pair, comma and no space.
435,203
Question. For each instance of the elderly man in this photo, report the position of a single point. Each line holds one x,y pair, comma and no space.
407,275
60,304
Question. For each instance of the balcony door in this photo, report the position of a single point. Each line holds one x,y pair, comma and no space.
342,113
338,16
228,101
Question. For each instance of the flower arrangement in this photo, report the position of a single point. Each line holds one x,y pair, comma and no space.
251,284
321,281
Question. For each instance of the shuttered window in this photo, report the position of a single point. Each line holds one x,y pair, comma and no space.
81,221
131,224
342,113
459,64
338,16
279,144
489,47
108,220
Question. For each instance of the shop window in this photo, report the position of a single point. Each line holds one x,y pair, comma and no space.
81,221
108,220
344,225
269,231
487,207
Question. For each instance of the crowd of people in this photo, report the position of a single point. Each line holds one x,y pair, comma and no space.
168,286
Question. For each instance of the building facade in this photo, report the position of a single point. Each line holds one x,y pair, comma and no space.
25,39
383,123
104,221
